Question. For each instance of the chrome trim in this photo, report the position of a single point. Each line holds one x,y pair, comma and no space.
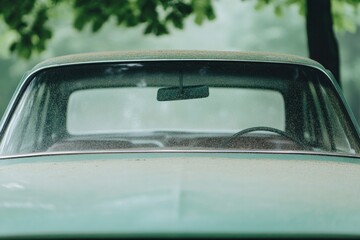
65,153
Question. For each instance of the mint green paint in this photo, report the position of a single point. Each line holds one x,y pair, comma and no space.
179,193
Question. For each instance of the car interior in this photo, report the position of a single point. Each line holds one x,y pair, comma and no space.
181,106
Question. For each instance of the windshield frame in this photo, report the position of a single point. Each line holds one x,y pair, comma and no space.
28,77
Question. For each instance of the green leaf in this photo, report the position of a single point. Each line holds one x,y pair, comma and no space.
80,22
148,29
202,10
278,10
13,46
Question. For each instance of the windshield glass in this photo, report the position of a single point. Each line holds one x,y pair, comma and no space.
179,105
122,110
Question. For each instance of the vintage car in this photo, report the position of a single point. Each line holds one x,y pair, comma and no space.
179,144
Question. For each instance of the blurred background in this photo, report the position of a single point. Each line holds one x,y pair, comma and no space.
237,27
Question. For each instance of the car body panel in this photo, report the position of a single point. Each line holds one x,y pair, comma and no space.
179,193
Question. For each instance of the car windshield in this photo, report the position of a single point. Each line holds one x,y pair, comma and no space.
179,105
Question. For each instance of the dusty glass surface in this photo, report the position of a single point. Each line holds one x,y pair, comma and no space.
117,110
250,107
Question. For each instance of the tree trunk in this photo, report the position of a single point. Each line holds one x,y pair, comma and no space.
322,43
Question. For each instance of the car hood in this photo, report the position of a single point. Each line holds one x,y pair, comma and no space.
179,193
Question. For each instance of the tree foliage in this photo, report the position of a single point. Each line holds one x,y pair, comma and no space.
29,19
343,11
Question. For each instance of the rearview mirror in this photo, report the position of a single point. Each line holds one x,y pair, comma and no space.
182,93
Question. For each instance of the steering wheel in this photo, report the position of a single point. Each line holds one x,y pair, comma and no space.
267,129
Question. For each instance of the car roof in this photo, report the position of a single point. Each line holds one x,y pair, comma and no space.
161,55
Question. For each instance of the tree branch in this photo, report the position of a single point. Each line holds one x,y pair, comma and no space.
322,43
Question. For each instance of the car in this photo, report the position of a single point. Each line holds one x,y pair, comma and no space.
179,144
